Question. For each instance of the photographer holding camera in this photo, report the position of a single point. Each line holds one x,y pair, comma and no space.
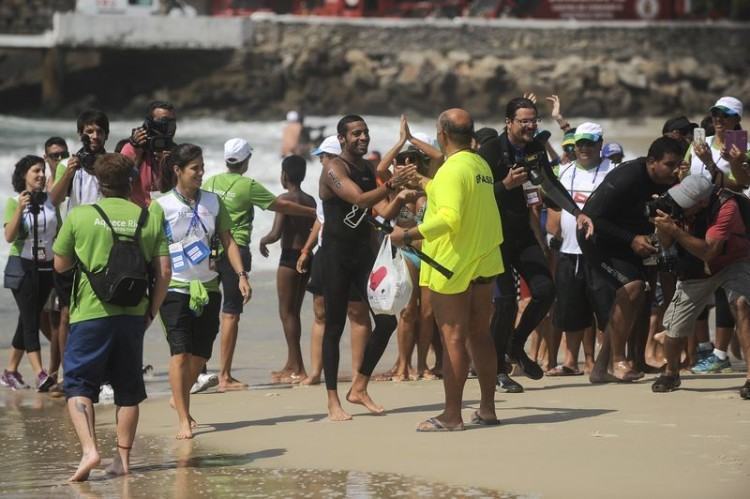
519,163
31,222
615,256
712,230
149,148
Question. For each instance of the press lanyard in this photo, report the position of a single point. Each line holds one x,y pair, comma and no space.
573,177
196,219
31,219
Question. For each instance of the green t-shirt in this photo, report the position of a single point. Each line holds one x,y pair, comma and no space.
240,196
47,220
86,236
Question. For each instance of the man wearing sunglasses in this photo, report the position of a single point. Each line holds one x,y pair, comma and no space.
55,150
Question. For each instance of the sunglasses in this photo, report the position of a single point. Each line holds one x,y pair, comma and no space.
569,148
57,156
721,114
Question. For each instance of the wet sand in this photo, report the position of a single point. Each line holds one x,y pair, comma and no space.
562,438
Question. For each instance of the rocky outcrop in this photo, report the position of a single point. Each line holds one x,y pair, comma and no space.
384,67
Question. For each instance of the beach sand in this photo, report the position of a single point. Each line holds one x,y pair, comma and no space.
561,438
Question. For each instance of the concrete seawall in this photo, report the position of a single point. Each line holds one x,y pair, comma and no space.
262,66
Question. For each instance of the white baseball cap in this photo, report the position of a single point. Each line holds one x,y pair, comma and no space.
236,151
329,145
588,131
729,105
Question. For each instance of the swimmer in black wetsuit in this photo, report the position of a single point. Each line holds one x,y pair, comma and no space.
348,190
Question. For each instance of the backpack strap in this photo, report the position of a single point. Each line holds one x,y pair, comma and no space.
141,222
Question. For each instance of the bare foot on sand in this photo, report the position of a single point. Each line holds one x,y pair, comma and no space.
117,468
186,431
337,413
193,422
88,462
231,384
625,373
427,375
362,398
313,379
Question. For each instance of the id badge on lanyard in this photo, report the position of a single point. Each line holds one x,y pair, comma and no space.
177,256
195,249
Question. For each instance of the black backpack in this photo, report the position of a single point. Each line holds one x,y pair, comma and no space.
125,279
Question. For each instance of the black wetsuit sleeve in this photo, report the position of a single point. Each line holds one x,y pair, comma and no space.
556,192
601,207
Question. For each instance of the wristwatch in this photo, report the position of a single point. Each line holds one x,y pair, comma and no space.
242,274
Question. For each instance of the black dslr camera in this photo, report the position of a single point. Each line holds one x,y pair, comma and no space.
159,134
666,204
532,165
38,198
85,157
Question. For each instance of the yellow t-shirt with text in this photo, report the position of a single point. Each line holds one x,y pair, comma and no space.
462,227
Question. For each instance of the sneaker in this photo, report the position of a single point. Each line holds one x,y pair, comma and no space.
204,382
745,390
712,364
13,380
44,381
530,367
506,383
666,383
106,393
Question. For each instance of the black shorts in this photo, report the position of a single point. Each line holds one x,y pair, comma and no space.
574,309
64,286
187,333
724,317
289,257
605,276
230,281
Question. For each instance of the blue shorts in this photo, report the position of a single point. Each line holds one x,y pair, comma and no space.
110,350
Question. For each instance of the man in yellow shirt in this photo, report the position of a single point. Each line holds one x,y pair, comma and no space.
462,231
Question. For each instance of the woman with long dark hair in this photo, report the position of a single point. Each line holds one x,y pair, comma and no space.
195,222
31,222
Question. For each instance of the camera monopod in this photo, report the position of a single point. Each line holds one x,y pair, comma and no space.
425,258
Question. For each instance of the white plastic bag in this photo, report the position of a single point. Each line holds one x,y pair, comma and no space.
389,286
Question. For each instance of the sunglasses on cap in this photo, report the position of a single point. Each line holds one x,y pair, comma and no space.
57,156
717,113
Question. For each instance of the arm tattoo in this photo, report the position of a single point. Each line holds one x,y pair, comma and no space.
81,407
335,179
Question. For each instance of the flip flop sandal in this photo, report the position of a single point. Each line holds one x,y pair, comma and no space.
477,419
435,425
563,371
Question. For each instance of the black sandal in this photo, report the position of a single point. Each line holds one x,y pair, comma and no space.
666,383
745,390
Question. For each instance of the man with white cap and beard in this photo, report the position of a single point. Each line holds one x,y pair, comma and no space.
240,195
711,231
